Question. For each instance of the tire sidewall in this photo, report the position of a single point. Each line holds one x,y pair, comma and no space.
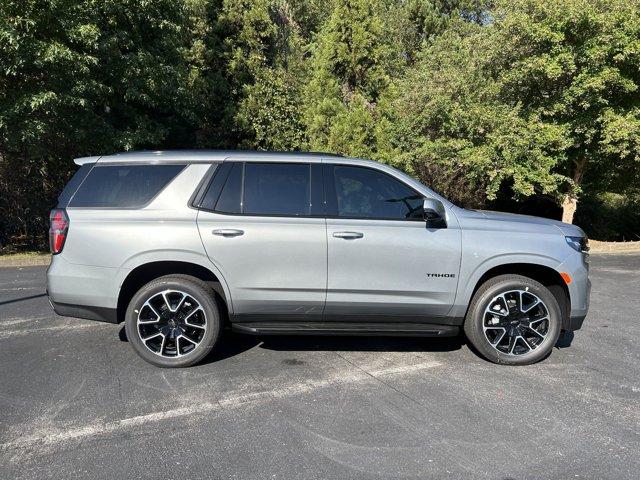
206,301
475,319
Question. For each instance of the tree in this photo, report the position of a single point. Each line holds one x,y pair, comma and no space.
82,78
412,24
254,57
348,75
544,97
575,64
448,125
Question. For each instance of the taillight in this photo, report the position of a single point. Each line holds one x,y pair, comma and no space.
59,226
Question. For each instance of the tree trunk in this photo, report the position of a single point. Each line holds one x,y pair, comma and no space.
569,206
570,201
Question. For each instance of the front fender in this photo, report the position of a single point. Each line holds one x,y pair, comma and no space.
470,277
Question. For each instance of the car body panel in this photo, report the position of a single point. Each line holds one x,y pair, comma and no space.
277,266
396,268
290,265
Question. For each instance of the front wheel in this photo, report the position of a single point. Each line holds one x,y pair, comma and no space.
513,320
173,321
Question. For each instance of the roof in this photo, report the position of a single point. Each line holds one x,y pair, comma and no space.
202,156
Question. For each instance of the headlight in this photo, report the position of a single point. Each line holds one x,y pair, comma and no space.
579,244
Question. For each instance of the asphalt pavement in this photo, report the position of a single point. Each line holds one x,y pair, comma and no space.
76,401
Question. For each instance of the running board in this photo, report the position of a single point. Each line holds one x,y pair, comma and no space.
342,328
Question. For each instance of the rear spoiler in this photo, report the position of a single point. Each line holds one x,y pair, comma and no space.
82,160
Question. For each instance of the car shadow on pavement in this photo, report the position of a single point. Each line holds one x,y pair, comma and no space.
22,299
231,344
565,339
361,344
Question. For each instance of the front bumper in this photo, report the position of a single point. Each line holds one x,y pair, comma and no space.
575,322
579,289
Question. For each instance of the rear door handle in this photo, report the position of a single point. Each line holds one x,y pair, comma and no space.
348,235
228,232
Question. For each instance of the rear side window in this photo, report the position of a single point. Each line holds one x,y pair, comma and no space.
252,188
277,189
123,186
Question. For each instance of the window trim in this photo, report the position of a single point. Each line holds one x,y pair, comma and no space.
329,189
272,215
203,186
128,164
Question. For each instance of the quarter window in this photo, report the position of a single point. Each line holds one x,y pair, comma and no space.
123,186
231,196
366,193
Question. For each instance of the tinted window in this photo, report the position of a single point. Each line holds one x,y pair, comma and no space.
215,187
277,189
123,186
73,185
367,193
230,197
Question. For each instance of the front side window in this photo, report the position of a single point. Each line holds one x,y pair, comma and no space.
366,193
123,186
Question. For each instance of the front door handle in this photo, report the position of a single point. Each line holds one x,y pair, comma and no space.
228,232
348,235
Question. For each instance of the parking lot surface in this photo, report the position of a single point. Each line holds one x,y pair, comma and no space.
76,402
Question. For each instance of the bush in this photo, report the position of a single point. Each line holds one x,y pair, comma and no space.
610,216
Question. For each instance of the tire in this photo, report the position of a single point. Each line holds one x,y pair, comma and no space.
494,309
179,319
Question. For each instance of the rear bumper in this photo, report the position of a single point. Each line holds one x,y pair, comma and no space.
82,291
100,314
73,284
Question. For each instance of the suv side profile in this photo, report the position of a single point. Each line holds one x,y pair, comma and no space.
180,245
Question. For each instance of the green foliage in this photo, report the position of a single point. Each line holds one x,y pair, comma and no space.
485,101
544,96
78,78
348,75
575,64
269,112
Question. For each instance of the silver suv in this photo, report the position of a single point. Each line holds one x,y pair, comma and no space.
181,245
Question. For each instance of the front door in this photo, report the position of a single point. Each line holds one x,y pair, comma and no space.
383,263
261,233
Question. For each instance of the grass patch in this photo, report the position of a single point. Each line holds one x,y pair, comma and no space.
613,247
20,259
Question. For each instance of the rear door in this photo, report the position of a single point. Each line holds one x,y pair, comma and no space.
262,226
382,259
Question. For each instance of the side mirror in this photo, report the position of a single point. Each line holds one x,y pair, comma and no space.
434,213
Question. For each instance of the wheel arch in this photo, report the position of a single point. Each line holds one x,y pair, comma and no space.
546,275
146,272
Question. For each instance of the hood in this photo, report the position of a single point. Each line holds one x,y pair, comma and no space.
520,222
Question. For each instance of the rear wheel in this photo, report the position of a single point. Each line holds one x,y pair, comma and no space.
173,321
513,320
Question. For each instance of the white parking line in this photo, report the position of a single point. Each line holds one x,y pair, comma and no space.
231,401
19,320
4,334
